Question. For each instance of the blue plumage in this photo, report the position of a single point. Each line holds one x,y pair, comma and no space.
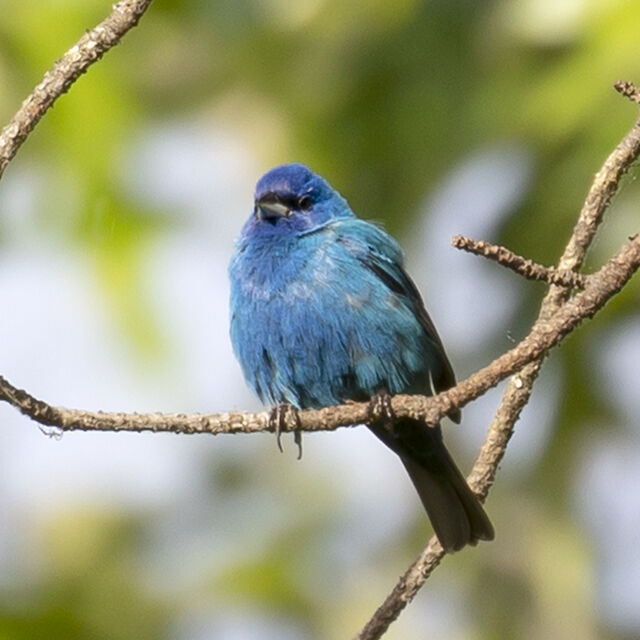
322,311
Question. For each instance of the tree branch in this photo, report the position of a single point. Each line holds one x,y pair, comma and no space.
519,388
91,47
527,268
544,335
628,90
558,316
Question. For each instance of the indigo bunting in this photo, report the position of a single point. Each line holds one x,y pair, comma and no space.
323,311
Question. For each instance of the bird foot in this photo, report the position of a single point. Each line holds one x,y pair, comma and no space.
380,409
285,417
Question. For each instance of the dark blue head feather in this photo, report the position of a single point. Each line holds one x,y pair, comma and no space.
289,179
293,198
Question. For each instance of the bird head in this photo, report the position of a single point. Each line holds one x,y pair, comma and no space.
293,197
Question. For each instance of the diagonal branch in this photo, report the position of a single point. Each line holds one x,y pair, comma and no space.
519,388
91,47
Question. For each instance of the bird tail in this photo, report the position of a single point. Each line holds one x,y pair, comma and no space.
456,514
457,517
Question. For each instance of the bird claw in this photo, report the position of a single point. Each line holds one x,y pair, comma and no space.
297,438
285,417
380,409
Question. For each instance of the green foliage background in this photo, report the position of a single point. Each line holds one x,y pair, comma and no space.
386,99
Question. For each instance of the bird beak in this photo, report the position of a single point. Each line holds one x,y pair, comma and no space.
270,206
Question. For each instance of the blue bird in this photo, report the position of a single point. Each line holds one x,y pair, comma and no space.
323,311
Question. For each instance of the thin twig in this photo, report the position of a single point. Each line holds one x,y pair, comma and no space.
91,47
523,266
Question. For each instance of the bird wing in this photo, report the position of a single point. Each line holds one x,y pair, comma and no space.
379,252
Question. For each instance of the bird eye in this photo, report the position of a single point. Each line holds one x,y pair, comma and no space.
304,203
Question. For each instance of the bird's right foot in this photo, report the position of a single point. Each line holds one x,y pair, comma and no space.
380,410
